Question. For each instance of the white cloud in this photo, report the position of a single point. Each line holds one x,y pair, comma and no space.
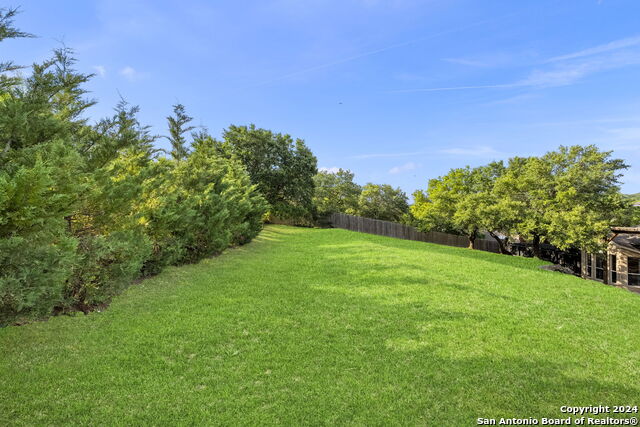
333,169
570,68
562,76
131,73
567,74
492,59
380,50
516,99
100,70
603,48
403,168
564,70
482,151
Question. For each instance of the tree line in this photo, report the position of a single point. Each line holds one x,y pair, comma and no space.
569,198
337,192
85,209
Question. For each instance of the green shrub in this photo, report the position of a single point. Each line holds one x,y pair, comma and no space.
113,244
36,252
107,265
85,209
246,206
34,269
197,207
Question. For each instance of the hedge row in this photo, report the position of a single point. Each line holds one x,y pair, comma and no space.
86,209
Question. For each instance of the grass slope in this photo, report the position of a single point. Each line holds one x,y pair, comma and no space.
310,326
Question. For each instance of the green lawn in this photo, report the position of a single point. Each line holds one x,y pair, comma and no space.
309,326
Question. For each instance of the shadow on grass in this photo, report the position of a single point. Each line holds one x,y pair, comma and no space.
456,252
516,387
364,268
423,354
412,360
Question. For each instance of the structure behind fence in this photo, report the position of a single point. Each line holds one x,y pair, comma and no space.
401,231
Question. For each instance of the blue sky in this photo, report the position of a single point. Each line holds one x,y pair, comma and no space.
398,91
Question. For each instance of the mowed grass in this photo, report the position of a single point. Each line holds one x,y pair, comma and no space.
309,326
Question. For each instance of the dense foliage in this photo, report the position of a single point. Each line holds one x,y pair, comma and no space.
282,169
569,197
336,192
85,209
383,202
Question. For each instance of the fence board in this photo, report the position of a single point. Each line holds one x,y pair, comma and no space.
401,231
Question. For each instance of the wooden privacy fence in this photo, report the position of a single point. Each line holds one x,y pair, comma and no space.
401,231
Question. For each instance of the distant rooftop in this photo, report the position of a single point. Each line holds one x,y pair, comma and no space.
627,237
626,230
628,241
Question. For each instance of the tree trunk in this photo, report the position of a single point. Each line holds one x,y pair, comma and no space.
472,240
605,263
501,246
535,245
